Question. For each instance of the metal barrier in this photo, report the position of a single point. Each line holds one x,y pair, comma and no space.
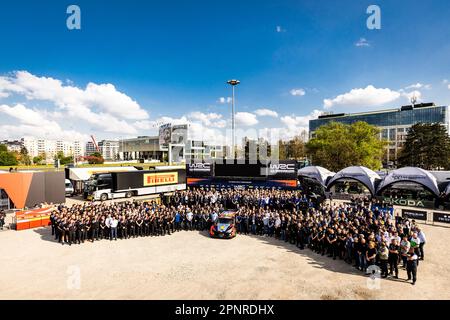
427,216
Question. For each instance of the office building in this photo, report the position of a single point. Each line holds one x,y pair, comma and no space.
393,123
140,148
90,148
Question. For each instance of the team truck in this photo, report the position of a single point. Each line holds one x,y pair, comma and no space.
114,185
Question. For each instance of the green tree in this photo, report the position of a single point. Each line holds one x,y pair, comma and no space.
296,148
24,156
63,160
7,158
38,160
293,149
337,145
95,158
427,146
282,150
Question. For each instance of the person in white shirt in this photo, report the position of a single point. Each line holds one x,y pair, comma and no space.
108,225
411,267
396,237
214,217
189,217
423,240
114,222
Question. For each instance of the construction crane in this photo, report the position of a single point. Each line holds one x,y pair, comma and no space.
95,144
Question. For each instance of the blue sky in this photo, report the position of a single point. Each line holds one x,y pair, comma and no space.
172,59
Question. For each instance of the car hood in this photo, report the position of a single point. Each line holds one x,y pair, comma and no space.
222,227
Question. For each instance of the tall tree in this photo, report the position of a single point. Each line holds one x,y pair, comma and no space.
63,160
7,158
337,145
427,146
24,156
296,148
293,149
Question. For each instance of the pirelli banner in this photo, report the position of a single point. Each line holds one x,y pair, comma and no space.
160,179
414,214
141,179
201,169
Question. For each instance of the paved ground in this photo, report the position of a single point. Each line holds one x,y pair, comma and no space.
190,265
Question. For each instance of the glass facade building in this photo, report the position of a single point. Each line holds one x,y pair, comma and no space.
394,123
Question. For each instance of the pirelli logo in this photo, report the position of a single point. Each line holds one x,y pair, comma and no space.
158,179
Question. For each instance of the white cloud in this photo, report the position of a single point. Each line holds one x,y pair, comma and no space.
34,123
419,86
280,29
296,125
362,42
413,94
300,121
99,105
200,132
246,118
208,119
224,100
24,115
297,92
103,97
449,86
266,113
363,97
6,87
445,81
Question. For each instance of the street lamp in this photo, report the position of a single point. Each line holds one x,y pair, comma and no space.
233,83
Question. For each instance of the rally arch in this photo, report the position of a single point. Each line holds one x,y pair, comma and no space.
365,176
317,173
411,175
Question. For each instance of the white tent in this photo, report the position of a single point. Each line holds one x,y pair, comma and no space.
317,173
359,173
411,174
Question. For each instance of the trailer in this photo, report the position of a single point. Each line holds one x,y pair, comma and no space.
114,185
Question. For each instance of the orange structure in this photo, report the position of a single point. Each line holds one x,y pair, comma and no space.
33,218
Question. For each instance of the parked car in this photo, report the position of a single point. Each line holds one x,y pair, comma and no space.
69,188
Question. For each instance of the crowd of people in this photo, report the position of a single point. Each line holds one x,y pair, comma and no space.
361,233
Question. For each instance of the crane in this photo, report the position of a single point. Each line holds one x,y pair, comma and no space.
95,144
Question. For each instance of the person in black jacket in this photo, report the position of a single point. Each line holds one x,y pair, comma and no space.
95,226
139,226
72,231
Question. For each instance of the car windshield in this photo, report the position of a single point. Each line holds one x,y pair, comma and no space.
68,185
224,220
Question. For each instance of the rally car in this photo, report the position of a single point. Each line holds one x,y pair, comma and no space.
224,227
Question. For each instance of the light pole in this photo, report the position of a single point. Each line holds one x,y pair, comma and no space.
233,83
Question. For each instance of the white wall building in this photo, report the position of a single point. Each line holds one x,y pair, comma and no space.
50,148
109,149
78,149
